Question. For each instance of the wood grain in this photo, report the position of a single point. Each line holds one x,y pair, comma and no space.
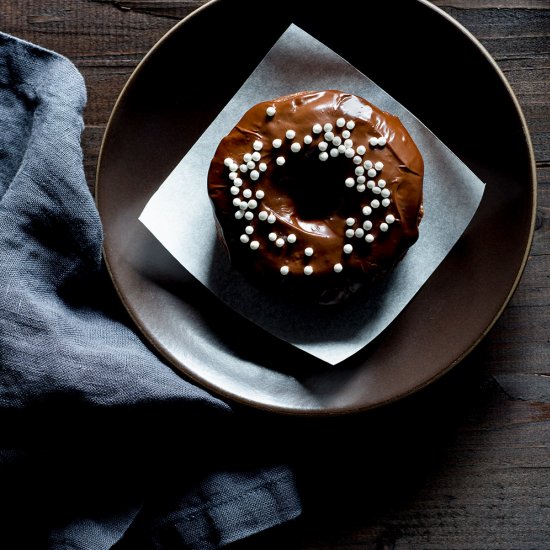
464,464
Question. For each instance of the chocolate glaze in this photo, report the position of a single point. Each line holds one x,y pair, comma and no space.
309,197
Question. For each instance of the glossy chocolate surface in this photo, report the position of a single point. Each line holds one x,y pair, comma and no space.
330,193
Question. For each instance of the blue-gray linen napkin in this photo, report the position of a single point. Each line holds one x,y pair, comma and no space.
101,443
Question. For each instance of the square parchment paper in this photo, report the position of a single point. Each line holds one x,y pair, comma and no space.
180,215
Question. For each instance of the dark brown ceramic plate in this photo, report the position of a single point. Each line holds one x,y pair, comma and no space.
427,62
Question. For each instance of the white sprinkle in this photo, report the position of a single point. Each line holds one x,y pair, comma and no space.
308,270
291,238
371,173
376,190
236,201
247,157
386,202
390,218
270,111
276,143
244,238
348,143
248,216
373,141
349,153
260,194
350,125
308,251
234,167
256,156
280,161
232,176
384,226
361,150
367,210
228,162
367,164
375,203
361,179
381,183
338,268
329,136
336,140
262,166
284,270
334,152
262,215
360,186
272,237
271,218
317,128
251,165
359,171
280,242
290,134
369,238
381,141
257,145
234,190
295,147
239,214
254,175
308,139
350,221
341,122
247,193
350,182
357,160
367,225
249,229
323,156
254,245
243,205
386,193
350,233
342,148
323,146
327,127
252,204
243,168
237,182
348,249
371,184
379,165
346,134
359,233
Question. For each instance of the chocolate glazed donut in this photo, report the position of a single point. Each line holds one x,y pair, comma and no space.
317,193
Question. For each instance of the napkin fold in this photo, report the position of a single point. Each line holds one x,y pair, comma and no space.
101,442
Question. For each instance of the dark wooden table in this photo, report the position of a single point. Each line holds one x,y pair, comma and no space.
466,462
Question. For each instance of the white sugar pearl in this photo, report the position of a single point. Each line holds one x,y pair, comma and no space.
280,242
251,165
243,205
228,162
290,134
361,179
256,156
350,221
379,165
359,233
270,111
295,147
323,156
237,182
350,233
236,201
308,139
336,140
367,225
386,202
317,128
329,136
359,171
373,141
249,229
360,187
346,134
381,141
280,161
257,145
323,146
334,152
327,127
252,204
349,153
308,251
348,143
350,182
371,173
291,238
262,215
376,190
271,218
239,214
254,245
371,184
234,190
367,164
284,270
350,125
244,238
272,237
348,249
260,194
381,183
386,193
248,216
369,237
232,176
357,160
338,268
384,226
254,175
247,157
375,203
276,143
390,218
342,148
361,150
234,167
262,166
341,122
367,210
243,168
247,193
308,270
